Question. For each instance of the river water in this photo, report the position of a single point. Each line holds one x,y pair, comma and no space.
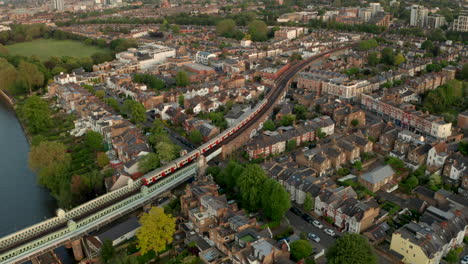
22,201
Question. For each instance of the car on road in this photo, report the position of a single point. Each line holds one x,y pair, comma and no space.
296,211
314,237
317,224
329,232
307,218
464,260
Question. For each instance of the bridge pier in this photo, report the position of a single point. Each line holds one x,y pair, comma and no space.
77,250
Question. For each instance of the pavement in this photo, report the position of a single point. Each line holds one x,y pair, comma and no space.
300,225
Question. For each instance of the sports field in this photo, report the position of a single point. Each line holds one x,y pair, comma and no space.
44,48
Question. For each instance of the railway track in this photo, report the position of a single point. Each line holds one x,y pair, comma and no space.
272,97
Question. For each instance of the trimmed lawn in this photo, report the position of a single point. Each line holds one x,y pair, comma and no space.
45,48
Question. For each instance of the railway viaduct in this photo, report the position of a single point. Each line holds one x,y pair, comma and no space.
282,85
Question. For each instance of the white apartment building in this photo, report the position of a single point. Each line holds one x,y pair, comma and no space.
203,57
460,24
147,55
344,88
418,16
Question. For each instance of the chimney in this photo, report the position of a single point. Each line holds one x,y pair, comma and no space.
443,224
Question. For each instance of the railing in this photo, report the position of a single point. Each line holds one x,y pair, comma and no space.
76,229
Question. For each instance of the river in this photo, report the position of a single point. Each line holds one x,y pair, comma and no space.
22,201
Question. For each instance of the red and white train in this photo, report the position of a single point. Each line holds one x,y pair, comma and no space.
157,174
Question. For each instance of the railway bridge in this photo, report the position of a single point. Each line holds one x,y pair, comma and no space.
69,226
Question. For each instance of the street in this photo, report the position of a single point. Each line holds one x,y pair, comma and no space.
300,225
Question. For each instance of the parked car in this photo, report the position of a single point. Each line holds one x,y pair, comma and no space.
314,237
296,211
317,224
464,260
329,232
307,218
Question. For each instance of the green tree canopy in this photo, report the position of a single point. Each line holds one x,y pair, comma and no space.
351,249
102,159
166,151
136,110
250,184
258,30
274,200
300,249
157,230
182,79
94,141
36,113
8,75
226,27
308,202
195,136
269,125
107,251
373,59
148,162
291,145
29,75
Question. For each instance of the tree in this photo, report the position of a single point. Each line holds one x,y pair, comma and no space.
195,136
148,162
94,141
291,145
107,251
295,57
300,249
8,75
157,229
166,151
100,94
464,72
452,256
258,30
367,44
308,203
269,125
300,111
463,148
274,200
399,59
29,75
354,122
427,45
388,56
48,154
182,79
320,134
229,176
176,29
250,183
102,159
288,120
358,165
411,183
373,58
36,113
351,249
226,27
435,181
181,101
136,110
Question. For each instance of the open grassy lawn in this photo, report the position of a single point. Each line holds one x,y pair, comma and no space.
44,48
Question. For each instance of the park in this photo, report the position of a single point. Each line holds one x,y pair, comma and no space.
45,48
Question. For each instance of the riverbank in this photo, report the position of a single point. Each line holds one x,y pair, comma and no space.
24,201
7,99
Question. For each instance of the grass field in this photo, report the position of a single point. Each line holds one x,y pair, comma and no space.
44,48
